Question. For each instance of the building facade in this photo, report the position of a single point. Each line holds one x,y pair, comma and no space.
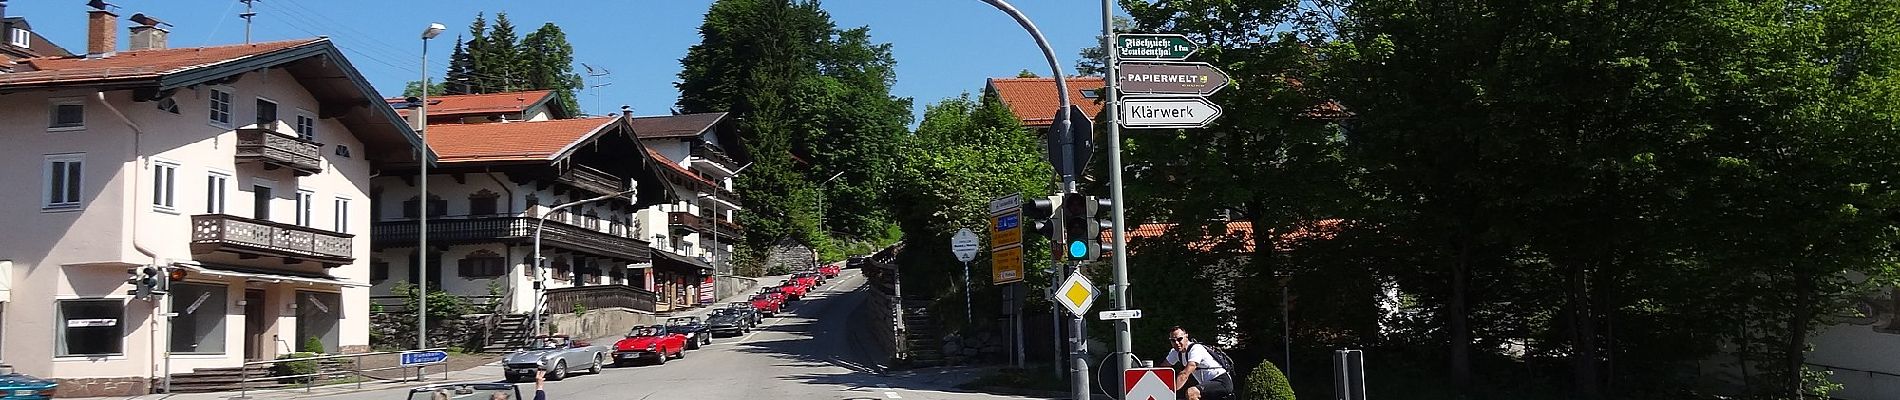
245,168
699,160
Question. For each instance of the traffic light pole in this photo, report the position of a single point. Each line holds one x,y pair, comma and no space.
1066,166
1110,108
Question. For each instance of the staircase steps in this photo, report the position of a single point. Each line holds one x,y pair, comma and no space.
512,332
206,380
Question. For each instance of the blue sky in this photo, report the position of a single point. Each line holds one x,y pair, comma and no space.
943,47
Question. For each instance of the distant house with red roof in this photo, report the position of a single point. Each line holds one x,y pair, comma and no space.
532,105
1035,101
240,173
701,158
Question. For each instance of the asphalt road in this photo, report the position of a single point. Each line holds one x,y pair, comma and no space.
805,353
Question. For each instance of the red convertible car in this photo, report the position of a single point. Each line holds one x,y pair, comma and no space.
831,271
767,304
793,291
649,343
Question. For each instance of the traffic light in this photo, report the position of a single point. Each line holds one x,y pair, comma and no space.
1084,224
149,281
1038,212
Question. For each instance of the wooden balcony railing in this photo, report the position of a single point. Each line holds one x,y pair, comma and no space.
263,144
562,300
219,232
686,221
481,229
591,179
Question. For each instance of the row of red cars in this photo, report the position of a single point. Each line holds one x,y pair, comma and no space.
771,300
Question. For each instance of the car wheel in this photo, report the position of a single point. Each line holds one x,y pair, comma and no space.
681,354
559,372
597,364
692,343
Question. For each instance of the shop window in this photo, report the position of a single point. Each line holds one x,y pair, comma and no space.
91,327
317,316
199,326
482,203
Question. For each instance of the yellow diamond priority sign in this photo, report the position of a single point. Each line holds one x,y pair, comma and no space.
1076,293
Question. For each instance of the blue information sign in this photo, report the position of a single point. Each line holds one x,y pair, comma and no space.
415,358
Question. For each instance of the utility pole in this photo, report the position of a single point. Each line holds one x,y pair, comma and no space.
1123,342
1066,166
247,19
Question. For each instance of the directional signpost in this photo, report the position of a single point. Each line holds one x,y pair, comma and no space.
1006,240
1168,112
420,358
1186,79
1149,46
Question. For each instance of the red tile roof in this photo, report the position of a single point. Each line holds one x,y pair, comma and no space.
141,64
1034,100
486,103
1241,230
676,168
510,141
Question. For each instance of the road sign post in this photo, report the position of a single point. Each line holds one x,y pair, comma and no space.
1169,112
964,244
1170,78
1148,384
421,358
1152,46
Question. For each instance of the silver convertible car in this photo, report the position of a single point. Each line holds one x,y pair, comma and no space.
558,354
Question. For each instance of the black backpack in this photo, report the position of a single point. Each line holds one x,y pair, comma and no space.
1226,364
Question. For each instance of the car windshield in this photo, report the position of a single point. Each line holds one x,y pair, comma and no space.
643,331
462,392
681,321
548,343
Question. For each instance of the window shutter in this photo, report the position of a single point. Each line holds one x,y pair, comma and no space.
462,267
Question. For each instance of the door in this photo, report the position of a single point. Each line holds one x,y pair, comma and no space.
266,112
256,325
260,202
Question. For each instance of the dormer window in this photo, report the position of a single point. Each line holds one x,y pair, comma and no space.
20,38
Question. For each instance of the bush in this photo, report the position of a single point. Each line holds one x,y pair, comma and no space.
290,369
313,344
1266,383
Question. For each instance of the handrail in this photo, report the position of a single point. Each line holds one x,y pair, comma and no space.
356,369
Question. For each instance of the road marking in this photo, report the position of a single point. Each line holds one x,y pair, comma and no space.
892,395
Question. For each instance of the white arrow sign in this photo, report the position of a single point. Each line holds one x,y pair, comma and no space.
964,245
1168,112
1120,314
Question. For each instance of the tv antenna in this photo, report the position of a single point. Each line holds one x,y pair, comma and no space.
592,73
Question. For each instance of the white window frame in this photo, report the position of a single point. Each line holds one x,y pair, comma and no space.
306,201
217,190
268,214
165,186
341,211
69,197
60,328
52,114
20,38
230,106
309,134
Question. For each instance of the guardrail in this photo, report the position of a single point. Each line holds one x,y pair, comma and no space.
356,370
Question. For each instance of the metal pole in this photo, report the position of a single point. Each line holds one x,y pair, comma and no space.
967,311
1064,162
422,234
1286,331
1016,319
1123,342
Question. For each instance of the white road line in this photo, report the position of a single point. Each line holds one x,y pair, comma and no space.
892,395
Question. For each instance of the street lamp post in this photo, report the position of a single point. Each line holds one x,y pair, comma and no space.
422,233
821,202
540,277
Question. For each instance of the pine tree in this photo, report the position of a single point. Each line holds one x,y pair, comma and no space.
550,64
460,77
501,62
471,76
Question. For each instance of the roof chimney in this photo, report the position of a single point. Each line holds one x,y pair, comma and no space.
149,34
102,36
626,111
418,116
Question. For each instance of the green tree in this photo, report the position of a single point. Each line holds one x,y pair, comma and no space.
1092,60
550,64
459,79
465,64
500,63
859,133
414,88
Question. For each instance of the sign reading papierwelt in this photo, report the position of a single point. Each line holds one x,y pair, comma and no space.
1006,239
1161,93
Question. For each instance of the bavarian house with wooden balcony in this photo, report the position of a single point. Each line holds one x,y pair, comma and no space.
244,169
489,191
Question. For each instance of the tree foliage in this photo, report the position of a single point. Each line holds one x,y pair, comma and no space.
814,101
493,60
1589,198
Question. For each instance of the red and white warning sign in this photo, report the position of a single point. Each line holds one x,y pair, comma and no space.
1148,384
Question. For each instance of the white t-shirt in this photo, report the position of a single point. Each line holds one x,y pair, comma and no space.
1206,368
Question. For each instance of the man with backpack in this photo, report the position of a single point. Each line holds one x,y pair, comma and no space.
1200,373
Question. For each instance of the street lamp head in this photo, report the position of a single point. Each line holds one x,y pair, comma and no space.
434,29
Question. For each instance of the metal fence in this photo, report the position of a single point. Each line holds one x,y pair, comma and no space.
356,370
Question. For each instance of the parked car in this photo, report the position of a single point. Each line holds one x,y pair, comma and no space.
857,262
767,305
808,280
693,328
556,353
817,278
747,308
471,391
727,320
15,385
651,342
831,270
792,291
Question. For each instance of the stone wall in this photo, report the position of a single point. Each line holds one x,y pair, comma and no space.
103,387
791,255
732,285
602,323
